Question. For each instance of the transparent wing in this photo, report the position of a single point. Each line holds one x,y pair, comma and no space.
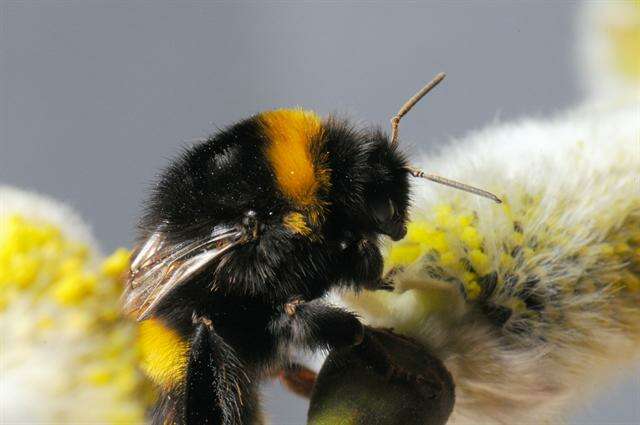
159,266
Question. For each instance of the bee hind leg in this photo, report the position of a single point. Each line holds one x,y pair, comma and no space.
213,389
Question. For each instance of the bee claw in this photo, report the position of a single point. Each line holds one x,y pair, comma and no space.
363,244
201,319
381,285
291,307
386,285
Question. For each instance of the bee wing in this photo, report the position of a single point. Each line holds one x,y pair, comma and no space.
159,266
146,253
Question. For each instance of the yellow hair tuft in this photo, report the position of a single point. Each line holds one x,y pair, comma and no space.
163,352
297,224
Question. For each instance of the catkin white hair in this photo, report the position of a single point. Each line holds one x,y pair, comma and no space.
533,303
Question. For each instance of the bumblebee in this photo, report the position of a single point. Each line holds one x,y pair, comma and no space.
241,237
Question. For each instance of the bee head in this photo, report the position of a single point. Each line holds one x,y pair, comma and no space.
387,188
369,199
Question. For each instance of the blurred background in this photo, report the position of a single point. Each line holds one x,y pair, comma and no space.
97,96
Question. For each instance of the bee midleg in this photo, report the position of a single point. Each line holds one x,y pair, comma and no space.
316,325
215,381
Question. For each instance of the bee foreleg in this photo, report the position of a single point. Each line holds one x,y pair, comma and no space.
315,325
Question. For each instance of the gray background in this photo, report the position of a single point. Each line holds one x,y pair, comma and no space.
96,96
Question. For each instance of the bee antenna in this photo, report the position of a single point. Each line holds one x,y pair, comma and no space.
395,121
452,183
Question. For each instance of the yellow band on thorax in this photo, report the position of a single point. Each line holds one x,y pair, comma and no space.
294,152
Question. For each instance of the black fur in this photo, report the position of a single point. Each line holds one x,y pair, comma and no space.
204,379
244,293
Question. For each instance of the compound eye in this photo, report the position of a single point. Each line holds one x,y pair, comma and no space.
383,210
388,219
392,209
